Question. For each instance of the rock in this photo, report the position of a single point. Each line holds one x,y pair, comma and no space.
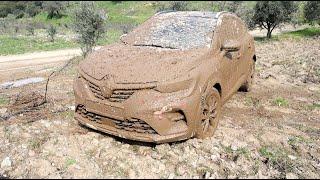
207,175
171,176
44,167
163,148
132,174
72,108
214,176
261,175
195,144
234,147
58,108
291,176
31,153
6,162
162,167
313,88
54,176
76,166
292,157
215,158
265,75
156,155
46,123
181,170
3,110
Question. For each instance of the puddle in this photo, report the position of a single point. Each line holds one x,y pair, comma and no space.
21,82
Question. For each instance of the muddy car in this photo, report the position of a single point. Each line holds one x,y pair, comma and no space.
168,78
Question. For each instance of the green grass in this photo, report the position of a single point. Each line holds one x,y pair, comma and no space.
303,33
68,114
110,37
127,11
35,144
3,101
277,158
294,140
70,162
235,153
309,107
19,45
307,32
280,102
251,101
42,17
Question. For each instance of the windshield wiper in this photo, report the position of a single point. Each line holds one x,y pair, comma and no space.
152,45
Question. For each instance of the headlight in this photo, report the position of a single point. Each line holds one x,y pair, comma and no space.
175,86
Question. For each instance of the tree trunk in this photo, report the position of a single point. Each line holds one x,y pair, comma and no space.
269,34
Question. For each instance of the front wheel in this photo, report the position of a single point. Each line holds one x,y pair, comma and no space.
210,112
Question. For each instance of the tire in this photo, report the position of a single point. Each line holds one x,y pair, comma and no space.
247,85
210,113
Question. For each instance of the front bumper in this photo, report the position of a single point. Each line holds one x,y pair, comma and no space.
147,115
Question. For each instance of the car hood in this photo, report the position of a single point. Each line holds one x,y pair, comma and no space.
140,64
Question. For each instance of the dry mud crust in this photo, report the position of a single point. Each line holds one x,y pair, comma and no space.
257,137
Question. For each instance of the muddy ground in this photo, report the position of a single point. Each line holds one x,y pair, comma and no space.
271,132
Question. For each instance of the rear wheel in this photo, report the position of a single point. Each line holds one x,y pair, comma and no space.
211,110
247,86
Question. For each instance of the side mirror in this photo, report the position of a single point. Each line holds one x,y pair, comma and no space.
230,45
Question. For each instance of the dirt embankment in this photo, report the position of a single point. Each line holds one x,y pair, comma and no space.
272,131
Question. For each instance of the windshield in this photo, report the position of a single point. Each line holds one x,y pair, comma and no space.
177,30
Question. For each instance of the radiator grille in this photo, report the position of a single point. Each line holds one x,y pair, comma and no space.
118,95
132,125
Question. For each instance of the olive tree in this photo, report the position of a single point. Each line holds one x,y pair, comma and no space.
312,12
54,8
89,24
270,14
172,6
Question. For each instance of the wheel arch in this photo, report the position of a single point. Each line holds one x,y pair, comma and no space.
217,86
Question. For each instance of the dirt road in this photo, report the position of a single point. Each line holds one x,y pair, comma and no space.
31,60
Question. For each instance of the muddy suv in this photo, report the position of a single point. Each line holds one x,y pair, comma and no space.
168,78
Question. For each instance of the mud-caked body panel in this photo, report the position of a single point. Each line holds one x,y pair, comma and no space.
152,93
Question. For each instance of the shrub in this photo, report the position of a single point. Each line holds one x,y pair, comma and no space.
126,27
173,6
89,24
54,8
52,31
32,9
312,12
178,5
280,102
30,28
